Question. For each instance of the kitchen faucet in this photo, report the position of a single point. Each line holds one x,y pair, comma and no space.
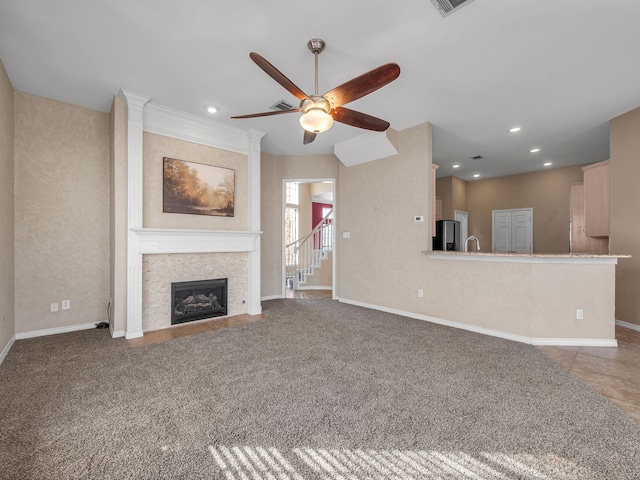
466,249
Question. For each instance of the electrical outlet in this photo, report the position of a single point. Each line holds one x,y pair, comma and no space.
54,307
420,293
418,218
346,234
66,304
579,314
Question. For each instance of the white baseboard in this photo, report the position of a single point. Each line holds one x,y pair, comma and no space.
117,333
631,326
271,297
6,349
53,331
575,342
315,287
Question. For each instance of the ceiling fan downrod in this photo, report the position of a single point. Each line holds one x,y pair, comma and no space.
316,45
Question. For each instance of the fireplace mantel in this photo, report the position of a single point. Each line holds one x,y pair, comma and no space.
141,117
160,240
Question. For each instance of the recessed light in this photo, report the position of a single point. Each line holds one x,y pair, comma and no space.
456,166
211,108
515,129
548,164
534,150
476,175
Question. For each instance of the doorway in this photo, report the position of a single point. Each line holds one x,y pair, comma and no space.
463,218
308,238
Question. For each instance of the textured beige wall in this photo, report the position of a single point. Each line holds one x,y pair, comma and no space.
273,170
305,218
7,316
322,276
459,188
381,263
155,148
533,300
159,271
444,190
376,205
546,191
624,235
118,215
61,213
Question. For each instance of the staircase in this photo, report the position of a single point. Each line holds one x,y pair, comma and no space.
307,253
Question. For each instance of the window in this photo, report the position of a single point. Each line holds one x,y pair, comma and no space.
292,193
291,222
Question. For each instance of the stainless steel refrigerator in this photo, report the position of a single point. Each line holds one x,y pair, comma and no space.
447,235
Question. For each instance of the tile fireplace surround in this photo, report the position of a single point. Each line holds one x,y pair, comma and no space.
242,246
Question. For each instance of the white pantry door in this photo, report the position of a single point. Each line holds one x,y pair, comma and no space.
512,230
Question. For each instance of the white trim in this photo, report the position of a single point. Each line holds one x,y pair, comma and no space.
576,342
159,240
148,117
118,333
335,222
5,350
135,118
254,305
271,297
315,287
54,331
576,259
173,123
631,326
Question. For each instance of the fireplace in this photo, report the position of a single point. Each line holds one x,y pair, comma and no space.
197,300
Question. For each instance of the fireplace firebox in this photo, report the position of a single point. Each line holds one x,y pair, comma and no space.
198,299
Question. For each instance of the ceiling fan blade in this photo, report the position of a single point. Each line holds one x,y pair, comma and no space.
309,137
359,119
363,85
278,76
267,114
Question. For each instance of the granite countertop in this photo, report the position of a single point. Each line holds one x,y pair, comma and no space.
522,255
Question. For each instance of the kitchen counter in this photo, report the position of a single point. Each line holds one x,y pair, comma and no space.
543,299
576,258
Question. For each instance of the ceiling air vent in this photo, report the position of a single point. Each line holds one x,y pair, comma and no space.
476,157
446,7
281,105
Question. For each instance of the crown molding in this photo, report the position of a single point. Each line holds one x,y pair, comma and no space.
173,123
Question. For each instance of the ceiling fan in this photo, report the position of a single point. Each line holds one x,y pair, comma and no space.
319,112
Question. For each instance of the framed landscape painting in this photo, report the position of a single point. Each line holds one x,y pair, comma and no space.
198,189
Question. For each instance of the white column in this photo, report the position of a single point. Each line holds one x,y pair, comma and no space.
135,106
254,306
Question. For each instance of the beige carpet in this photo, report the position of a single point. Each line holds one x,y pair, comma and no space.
320,390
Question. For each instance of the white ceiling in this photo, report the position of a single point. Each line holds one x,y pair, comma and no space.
560,69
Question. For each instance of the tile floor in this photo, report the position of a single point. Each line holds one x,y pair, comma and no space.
614,372
308,294
193,328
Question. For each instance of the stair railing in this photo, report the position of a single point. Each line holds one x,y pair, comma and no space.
305,254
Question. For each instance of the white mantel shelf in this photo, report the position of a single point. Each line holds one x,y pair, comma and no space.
576,258
158,240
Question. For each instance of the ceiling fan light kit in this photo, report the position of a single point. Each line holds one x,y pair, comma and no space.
320,111
316,120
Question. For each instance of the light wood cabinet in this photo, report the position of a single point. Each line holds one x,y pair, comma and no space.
580,243
596,199
438,209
